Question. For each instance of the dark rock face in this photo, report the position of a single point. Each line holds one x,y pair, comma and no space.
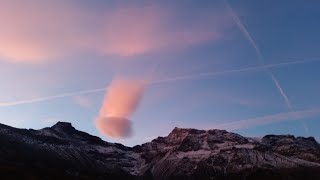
62,152
218,154
300,147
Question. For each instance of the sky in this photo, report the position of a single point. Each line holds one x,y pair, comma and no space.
245,66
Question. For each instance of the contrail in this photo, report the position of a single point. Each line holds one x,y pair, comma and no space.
47,98
263,120
248,36
253,68
244,30
281,91
155,82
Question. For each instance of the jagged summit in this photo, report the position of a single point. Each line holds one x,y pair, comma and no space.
61,130
66,132
288,139
203,154
177,130
63,126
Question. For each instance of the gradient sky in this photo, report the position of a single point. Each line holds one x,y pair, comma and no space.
251,67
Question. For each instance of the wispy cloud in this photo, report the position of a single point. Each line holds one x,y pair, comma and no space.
82,101
35,31
132,31
287,116
155,82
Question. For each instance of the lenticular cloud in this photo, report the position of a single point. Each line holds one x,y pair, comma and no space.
122,99
116,127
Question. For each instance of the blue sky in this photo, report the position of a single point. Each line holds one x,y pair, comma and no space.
211,62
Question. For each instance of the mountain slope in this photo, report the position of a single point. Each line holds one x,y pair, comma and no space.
215,153
64,151
61,151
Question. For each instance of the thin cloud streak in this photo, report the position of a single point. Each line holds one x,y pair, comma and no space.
244,30
286,99
246,33
248,36
287,116
206,74
47,98
155,82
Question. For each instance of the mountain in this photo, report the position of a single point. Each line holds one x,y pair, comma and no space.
62,152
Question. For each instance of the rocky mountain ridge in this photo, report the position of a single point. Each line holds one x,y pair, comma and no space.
61,151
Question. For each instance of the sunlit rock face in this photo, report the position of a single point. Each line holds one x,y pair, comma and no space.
288,145
219,154
61,151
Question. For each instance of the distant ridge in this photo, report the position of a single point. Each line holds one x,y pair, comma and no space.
62,152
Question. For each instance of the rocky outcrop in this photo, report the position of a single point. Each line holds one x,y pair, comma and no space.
61,151
218,153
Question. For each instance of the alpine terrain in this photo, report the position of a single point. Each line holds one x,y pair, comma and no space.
62,152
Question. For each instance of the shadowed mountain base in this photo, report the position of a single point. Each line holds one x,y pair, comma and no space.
62,152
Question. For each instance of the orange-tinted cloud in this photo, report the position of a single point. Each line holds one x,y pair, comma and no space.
35,31
115,127
122,99
130,31
134,31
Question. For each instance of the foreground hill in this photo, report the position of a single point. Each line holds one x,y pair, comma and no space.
63,152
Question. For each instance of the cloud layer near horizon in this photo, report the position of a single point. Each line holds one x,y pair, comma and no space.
122,99
35,31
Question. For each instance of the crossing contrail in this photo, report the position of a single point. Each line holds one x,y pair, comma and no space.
155,82
248,36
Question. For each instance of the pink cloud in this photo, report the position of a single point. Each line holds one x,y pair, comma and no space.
33,31
122,99
130,31
36,31
134,31
114,127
